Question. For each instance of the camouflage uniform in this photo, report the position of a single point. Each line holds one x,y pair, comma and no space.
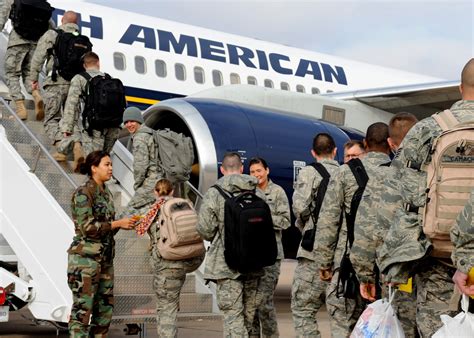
406,250
462,236
236,292
55,92
17,57
146,171
168,280
98,140
342,186
90,264
308,292
266,315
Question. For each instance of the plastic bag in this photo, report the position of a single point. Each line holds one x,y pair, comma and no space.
462,325
379,321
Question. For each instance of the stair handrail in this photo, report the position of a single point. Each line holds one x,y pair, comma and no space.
39,144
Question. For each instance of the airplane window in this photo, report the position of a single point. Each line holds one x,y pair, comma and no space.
234,78
180,71
284,86
119,61
160,68
268,83
300,89
315,90
198,75
251,80
140,64
217,78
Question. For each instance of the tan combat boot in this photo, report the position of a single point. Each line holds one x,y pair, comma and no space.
59,157
78,156
39,105
21,110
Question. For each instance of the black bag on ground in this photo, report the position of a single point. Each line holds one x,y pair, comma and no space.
104,102
347,275
307,242
67,53
30,18
249,237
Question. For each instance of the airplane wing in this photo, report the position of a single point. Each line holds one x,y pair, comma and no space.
421,100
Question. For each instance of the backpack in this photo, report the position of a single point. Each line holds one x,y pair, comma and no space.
67,54
104,102
347,275
307,242
179,238
450,180
249,237
175,154
30,18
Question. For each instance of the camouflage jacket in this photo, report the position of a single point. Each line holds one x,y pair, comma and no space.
211,223
280,208
74,96
462,236
145,164
46,43
305,190
93,211
341,189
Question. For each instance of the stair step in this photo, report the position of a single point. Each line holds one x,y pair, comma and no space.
182,316
143,285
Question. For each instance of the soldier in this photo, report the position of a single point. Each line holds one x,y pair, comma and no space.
280,209
236,292
55,91
333,234
90,256
307,291
146,170
406,250
353,149
369,234
17,64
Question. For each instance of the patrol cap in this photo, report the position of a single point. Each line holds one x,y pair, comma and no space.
133,114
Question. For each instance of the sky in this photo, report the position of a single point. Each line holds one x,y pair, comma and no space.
434,38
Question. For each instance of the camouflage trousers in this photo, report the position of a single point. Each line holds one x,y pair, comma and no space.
17,64
343,312
99,140
54,98
308,294
237,300
92,284
266,314
434,291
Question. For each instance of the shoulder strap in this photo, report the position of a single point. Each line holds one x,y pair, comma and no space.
445,119
223,192
358,171
321,190
86,76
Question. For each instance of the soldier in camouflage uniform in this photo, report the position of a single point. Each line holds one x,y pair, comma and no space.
236,292
55,91
280,209
17,64
369,233
146,170
405,250
308,293
332,233
90,261
99,139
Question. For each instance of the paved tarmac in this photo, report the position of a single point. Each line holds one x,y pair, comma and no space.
21,322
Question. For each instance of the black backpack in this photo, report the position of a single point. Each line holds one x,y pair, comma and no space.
249,237
67,53
104,102
307,242
30,18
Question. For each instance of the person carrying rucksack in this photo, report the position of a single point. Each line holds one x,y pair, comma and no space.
30,20
104,104
55,86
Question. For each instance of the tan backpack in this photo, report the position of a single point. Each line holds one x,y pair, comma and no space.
450,179
179,238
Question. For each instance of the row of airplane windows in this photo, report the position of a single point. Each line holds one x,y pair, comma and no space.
217,78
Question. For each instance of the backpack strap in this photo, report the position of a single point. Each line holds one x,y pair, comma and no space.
321,190
446,120
223,192
52,52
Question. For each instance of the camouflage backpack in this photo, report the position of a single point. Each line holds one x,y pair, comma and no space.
450,179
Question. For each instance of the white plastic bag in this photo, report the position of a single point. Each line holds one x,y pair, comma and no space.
379,321
462,325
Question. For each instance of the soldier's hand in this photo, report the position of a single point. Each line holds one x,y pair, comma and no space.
460,279
34,85
124,223
325,274
367,291
67,134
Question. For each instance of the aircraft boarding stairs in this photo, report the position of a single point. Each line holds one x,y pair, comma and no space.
36,230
